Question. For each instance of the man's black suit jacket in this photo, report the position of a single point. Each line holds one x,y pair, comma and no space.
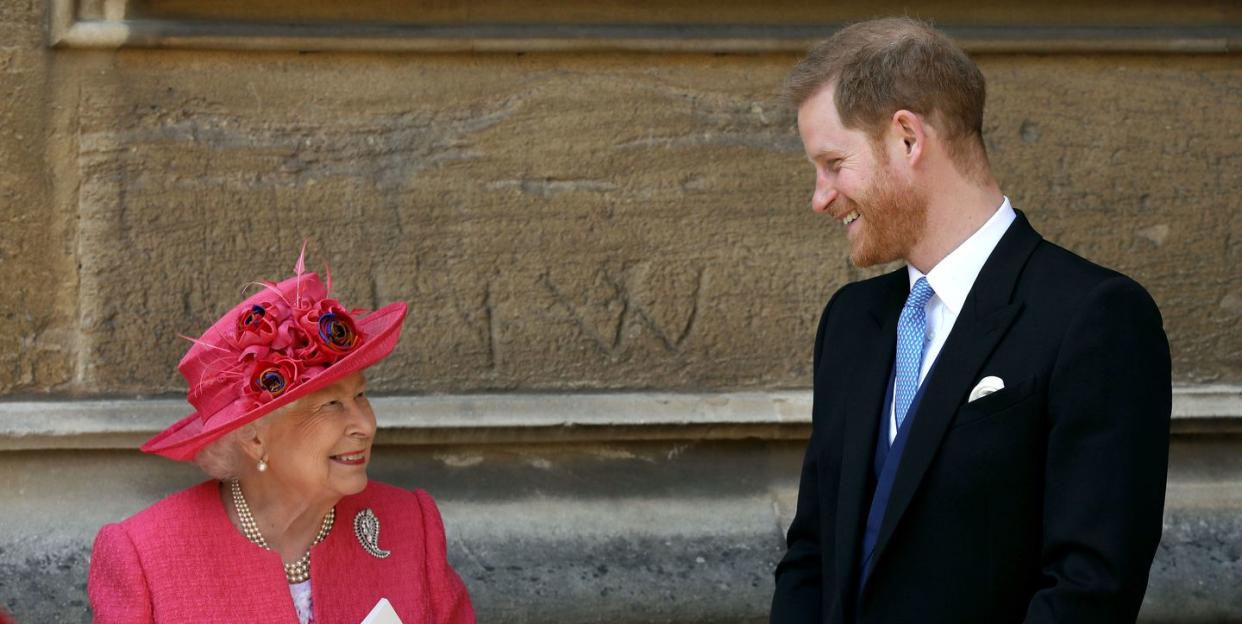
1041,502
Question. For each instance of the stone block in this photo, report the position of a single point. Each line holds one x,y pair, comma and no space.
553,222
38,309
594,221
1121,159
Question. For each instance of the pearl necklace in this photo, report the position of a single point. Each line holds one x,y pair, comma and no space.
295,572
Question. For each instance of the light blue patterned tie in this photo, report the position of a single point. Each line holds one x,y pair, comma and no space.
911,332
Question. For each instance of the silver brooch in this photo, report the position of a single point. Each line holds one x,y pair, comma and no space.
366,527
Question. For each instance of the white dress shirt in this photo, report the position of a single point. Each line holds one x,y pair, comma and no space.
952,279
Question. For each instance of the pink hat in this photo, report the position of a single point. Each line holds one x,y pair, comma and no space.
284,342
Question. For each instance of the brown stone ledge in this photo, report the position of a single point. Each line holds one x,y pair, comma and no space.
67,32
527,418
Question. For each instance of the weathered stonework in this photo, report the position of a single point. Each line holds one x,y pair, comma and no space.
680,12
676,531
557,221
1129,162
543,239
37,341
594,221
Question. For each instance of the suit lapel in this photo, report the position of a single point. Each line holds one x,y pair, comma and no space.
985,317
863,395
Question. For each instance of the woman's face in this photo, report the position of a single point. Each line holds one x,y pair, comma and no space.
320,446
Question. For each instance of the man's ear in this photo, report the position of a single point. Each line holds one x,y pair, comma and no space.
909,128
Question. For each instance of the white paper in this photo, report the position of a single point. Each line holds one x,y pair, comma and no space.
382,613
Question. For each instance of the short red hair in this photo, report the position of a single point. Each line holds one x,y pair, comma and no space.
879,67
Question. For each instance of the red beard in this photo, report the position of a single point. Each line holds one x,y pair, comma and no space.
894,218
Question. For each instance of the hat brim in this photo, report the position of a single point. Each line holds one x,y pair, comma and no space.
186,437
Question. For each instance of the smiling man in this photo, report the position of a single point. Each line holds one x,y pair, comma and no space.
991,420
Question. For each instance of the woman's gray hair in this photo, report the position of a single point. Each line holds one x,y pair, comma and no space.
225,458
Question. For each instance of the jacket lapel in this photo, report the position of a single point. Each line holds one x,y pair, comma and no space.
876,343
985,317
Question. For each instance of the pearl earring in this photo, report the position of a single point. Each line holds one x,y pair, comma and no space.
263,465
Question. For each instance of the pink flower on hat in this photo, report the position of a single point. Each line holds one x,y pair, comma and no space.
284,347
271,377
331,327
256,325
317,334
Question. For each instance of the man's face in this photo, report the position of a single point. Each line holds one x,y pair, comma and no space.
856,184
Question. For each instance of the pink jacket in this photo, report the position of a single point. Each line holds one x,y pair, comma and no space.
181,560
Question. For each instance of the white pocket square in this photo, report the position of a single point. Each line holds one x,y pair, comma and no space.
986,386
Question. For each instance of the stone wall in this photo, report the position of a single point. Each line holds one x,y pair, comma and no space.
609,508
557,221
560,221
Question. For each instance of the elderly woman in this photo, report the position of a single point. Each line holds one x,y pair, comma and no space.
288,529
